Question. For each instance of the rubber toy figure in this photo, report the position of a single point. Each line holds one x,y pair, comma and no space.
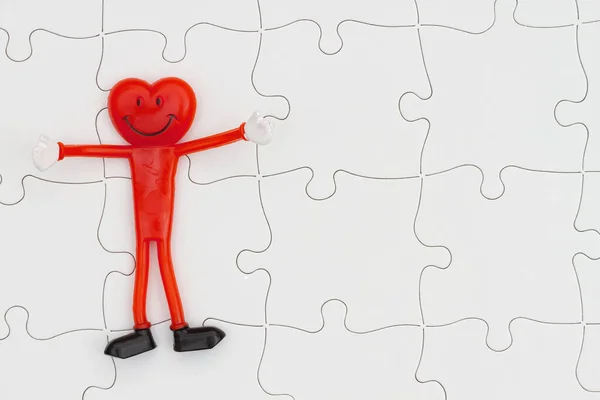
153,118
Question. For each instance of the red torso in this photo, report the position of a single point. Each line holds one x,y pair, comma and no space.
153,172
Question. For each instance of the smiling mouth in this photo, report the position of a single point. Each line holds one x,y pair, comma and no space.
164,128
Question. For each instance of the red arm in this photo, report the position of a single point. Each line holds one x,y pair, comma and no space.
102,150
211,142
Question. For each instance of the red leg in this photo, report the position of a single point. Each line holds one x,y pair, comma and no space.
141,284
170,284
140,340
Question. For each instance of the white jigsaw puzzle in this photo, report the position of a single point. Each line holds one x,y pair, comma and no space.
72,87
330,113
60,281
539,364
383,253
488,282
288,362
581,109
82,368
494,122
424,223
175,21
279,13
211,284
20,20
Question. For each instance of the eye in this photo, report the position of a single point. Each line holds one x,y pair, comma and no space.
159,101
139,101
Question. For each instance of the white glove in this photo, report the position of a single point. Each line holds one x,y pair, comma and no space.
45,153
258,129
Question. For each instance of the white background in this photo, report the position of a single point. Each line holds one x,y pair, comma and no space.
424,224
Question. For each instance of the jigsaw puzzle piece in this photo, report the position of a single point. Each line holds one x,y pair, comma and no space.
56,265
466,15
329,18
175,21
226,372
72,18
543,13
358,246
588,368
539,364
512,257
585,108
52,94
60,367
221,80
335,363
472,120
348,107
212,225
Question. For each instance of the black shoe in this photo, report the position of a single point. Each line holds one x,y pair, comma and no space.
132,344
191,339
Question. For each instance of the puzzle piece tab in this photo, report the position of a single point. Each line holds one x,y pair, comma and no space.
583,108
61,367
20,19
175,20
225,372
222,83
329,16
53,262
212,224
512,257
348,105
357,246
539,365
334,362
62,107
474,76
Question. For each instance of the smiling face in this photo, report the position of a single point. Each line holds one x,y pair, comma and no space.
157,114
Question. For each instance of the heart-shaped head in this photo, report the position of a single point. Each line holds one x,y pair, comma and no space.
157,114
